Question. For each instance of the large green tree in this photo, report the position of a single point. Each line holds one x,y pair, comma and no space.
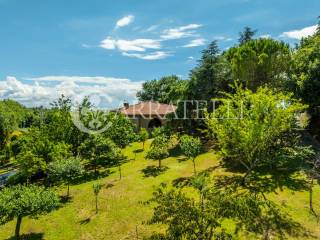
200,215
254,129
210,77
246,35
260,62
307,72
21,201
167,89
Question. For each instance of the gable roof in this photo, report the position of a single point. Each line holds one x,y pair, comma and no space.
148,108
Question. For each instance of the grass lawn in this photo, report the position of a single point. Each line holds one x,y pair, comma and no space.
121,211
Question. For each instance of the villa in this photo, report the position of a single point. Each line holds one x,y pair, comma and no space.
149,114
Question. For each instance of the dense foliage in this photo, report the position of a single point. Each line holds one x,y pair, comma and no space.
191,148
168,89
258,128
21,201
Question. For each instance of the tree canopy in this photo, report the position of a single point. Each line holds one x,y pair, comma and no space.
21,201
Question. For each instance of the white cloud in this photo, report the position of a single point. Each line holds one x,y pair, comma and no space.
265,36
300,33
149,56
180,32
43,90
124,21
195,43
152,28
222,38
139,45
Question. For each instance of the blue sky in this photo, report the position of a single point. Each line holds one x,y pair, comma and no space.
108,48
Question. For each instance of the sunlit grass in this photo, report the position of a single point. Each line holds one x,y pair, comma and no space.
121,208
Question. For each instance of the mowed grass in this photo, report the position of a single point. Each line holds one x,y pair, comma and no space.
122,212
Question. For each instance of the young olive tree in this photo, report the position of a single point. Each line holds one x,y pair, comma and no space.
22,201
159,149
143,136
191,148
96,190
66,171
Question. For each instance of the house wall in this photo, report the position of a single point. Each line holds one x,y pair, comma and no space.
144,122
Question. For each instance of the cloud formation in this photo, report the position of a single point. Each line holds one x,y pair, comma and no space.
151,48
122,22
195,43
139,45
150,56
180,32
300,33
42,90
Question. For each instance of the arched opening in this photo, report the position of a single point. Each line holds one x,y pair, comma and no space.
154,123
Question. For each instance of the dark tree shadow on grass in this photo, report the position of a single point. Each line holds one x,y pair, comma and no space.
91,175
186,181
29,236
175,151
182,182
85,221
136,152
182,159
153,171
65,199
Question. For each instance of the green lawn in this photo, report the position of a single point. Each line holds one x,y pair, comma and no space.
121,209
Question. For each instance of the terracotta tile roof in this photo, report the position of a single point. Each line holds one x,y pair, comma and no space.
148,108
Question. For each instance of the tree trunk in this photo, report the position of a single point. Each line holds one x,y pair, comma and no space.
311,197
68,192
159,163
97,204
194,167
143,145
120,175
18,225
245,177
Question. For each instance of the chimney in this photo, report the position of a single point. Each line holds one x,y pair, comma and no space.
126,105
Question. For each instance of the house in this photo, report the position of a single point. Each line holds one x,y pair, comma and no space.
149,114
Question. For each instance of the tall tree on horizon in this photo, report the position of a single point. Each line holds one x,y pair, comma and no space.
246,35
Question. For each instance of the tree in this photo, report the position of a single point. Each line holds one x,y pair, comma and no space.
307,73
167,90
159,149
66,171
12,114
96,190
200,215
261,62
143,136
191,148
99,150
256,129
121,130
30,164
210,77
312,171
21,201
246,35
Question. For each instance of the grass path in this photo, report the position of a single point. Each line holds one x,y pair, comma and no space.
121,209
